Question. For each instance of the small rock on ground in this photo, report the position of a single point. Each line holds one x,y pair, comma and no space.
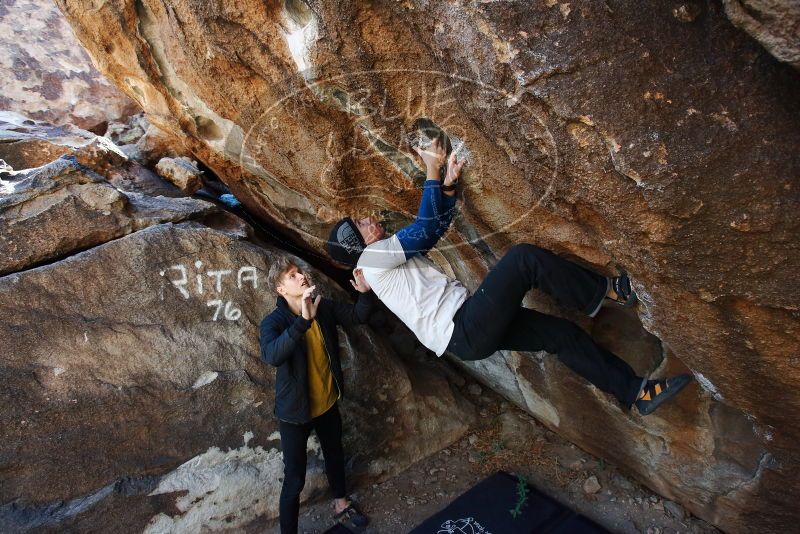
474,390
591,485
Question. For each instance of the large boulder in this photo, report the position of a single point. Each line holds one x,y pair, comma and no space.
136,364
48,210
650,136
63,207
134,396
46,74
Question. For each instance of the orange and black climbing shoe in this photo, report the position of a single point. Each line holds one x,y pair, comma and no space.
655,392
626,296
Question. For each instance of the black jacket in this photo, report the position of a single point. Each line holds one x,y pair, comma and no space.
283,345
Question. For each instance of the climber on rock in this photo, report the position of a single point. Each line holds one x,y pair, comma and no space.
299,337
443,315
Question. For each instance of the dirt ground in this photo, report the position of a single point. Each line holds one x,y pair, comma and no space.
546,461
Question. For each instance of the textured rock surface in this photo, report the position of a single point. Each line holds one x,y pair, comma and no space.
25,143
62,207
654,136
134,398
66,205
774,23
181,172
145,143
140,371
46,74
28,144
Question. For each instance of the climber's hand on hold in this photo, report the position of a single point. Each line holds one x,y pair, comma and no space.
453,169
433,156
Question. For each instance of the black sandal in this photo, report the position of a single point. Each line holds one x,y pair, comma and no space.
352,515
655,392
626,296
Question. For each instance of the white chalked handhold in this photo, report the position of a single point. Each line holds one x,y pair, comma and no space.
204,379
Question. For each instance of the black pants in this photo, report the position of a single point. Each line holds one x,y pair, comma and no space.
328,427
492,319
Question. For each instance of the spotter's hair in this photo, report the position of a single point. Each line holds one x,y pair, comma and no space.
278,269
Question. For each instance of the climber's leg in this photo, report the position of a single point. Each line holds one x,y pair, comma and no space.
484,317
570,284
531,331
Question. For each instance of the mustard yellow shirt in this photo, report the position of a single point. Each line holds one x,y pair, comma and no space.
321,390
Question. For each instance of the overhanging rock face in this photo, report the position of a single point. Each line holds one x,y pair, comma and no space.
658,138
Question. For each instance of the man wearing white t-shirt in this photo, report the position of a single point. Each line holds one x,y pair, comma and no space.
444,317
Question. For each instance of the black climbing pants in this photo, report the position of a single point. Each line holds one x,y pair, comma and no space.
294,437
492,319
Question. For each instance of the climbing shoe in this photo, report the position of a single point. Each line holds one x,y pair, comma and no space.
626,297
655,392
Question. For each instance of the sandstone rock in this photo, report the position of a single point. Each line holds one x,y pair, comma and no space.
47,75
576,465
571,458
182,173
773,23
143,142
134,177
591,485
622,483
25,143
150,368
517,433
474,390
128,132
29,144
675,510
612,134
57,208
154,145
62,208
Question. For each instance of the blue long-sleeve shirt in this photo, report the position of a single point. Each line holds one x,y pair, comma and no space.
436,211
